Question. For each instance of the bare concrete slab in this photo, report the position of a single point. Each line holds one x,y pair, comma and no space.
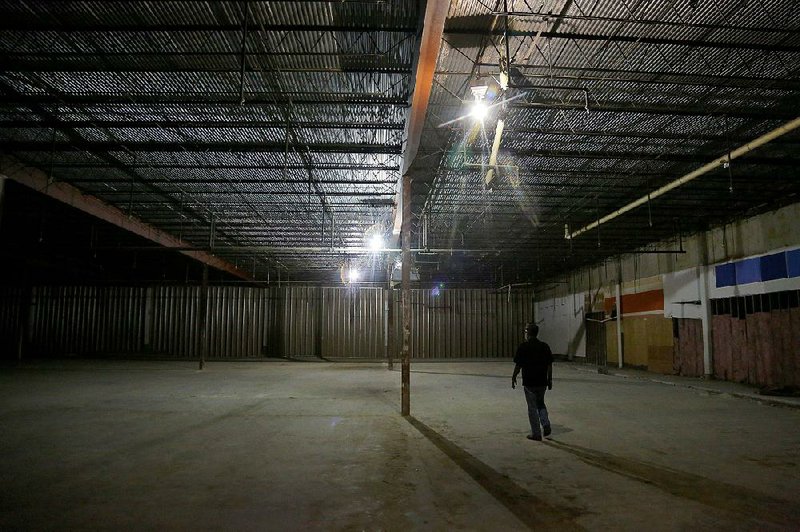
299,445
625,453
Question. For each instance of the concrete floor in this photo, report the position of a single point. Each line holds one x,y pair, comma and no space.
300,445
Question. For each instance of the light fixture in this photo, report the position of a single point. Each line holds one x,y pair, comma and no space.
479,110
376,242
354,275
478,88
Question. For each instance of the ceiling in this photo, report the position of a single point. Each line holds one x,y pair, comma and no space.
273,134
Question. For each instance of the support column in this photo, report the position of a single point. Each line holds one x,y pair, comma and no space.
704,279
619,324
705,316
320,319
2,196
149,312
390,320
405,403
203,310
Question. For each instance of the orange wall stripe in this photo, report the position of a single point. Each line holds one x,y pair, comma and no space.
641,302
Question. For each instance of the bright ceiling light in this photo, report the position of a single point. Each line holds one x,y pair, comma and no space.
479,110
376,243
354,275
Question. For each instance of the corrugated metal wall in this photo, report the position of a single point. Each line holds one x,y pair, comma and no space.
256,322
465,323
87,320
11,307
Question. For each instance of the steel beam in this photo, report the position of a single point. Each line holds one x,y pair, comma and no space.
30,24
222,167
584,73
187,147
638,21
643,156
432,30
200,124
224,99
758,112
610,37
242,193
88,63
65,193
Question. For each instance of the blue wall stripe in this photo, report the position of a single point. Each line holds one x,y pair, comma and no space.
793,263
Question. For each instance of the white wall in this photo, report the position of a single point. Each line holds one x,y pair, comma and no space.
682,294
561,324
682,287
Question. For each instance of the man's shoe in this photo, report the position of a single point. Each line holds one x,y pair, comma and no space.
547,430
532,437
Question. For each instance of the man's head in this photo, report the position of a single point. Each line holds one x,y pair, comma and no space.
531,331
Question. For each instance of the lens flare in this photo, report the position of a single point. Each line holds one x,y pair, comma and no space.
479,110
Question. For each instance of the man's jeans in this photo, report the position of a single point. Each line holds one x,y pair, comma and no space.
537,411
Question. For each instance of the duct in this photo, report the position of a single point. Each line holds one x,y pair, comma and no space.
719,161
435,16
65,193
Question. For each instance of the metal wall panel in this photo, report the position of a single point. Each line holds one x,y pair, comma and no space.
172,314
11,310
245,322
352,322
86,320
464,323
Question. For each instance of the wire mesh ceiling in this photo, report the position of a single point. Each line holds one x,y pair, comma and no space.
272,133
603,103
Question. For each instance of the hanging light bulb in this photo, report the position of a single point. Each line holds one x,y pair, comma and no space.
479,110
376,242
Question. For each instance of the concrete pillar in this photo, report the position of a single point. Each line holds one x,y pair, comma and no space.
405,403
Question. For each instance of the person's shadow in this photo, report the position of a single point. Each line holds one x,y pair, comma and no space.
559,430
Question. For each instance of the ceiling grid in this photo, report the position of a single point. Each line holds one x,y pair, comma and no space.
279,126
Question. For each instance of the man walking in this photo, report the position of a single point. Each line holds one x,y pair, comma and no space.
535,360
